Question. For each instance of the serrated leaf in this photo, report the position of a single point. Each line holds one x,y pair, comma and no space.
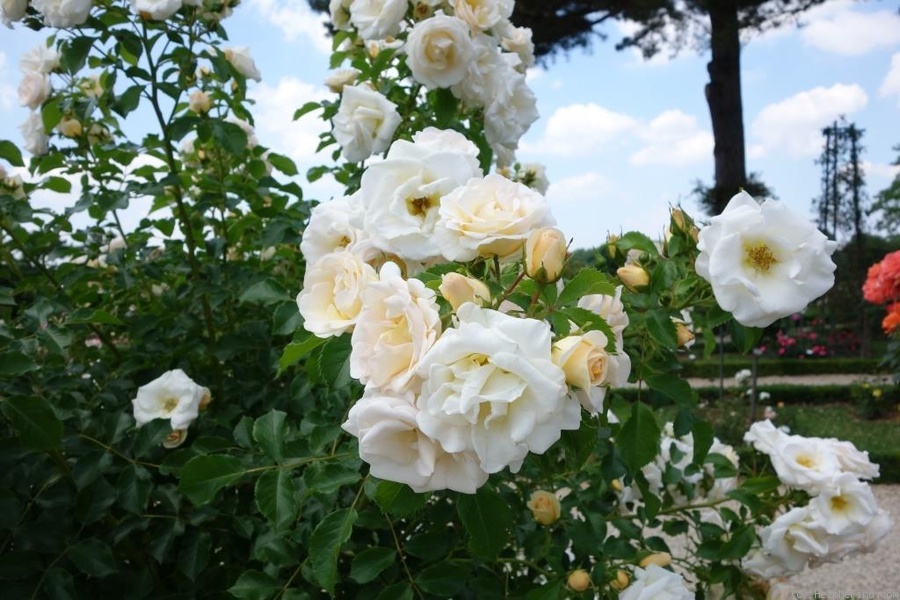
134,487
93,557
487,518
586,281
588,320
398,498
638,241
286,319
368,564
267,291
325,544
276,498
254,585
34,421
444,579
129,100
229,136
661,328
298,350
674,387
334,362
203,476
194,555
638,440
269,431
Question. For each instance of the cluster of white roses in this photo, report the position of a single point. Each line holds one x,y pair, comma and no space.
676,454
444,407
467,46
34,89
173,396
842,516
55,13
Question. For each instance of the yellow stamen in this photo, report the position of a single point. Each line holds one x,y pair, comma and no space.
418,207
760,256
169,404
838,503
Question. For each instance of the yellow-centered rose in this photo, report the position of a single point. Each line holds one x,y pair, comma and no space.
544,507
583,358
545,254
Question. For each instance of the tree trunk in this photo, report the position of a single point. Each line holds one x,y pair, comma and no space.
723,94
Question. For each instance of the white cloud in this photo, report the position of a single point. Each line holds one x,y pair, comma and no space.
794,125
673,138
578,129
891,84
883,171
7,91
295,19
687,31
580,188
840,28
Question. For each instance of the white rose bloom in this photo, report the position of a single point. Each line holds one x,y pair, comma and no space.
438,51
590,368
861,542
482,71
340,14
377,19
365,122
331,298
656,583
63,13
518,41
846,506
764,436
40,59
511,112
157,10
338,79
764,566
333,226
12,11
763,261
854,461
805,463
173,395
489,217
242,62
252,141
402,194
793,539
611,309
34,89
37,142
399,322
482,14
490,386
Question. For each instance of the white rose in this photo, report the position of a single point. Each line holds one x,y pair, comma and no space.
590,368
12,10
512,110
365,122
340,14
331,298
40,59
333,226
63,13
399,322
402,194
854,461
489,217
490,386
846,506
438,51
656,583
805,463
34,89
458,289
377,19
37,142
518,41
862,541
482,71
482,14
793,539
611,309
337,80
173,395
764,436
242,62
763,261
156,10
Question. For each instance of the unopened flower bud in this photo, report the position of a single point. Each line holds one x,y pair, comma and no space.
175,439
579,580
684,334
678,220
544,507
611,248
660,559
200,102
337,80
545,254
98,134
617,485
621,581
633,276
458,289
69,127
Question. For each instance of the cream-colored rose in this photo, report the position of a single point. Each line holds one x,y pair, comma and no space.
36,139
583,358
483,14
69,127
63,13
365,122
331,298
377,19
458,289
34,89
12,11
544,507
579,580
173,395
91,86
518,41
98,134
438,51
545,254
340,14
242,62
199,102
683,333
633,276
337,80
40,59
155,10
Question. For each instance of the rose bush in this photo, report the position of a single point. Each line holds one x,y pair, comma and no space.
410,396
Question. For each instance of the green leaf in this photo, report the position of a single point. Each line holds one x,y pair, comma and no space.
97,315
445,107
745,338
93,557
444,579
586,281
674,387
74,54
398,498
129,100
661,328
51,114
334,362
194,555
254,585
59,185
638,440
267,291
703,439
298,350
325,544
230,137
13,362
276,498
286,319
488,519
638,241
34,421
397,591
306,108
588,320
282,163
203,476
11,153
760,485
368,564
134,487
269,431
552,590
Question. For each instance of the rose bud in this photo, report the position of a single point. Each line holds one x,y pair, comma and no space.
660,559
544,507
579,580
633,276
458,289
545,254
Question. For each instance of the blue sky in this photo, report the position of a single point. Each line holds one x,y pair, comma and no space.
622,138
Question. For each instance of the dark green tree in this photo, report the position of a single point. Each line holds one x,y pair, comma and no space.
887,204
560,26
